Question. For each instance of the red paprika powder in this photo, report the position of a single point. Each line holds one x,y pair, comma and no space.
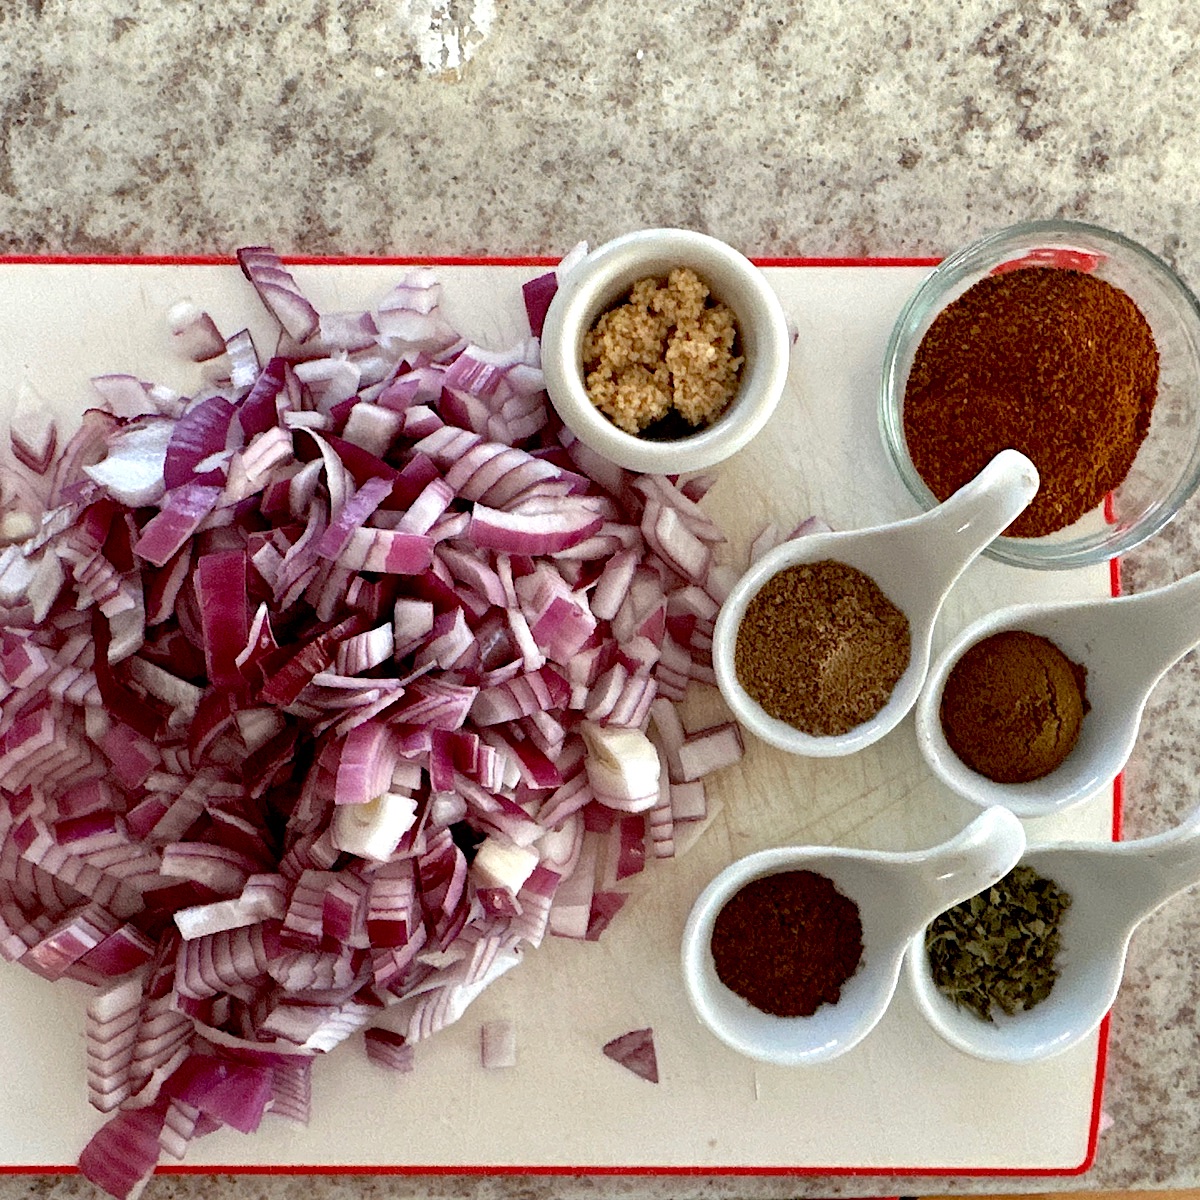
787,942
1053,362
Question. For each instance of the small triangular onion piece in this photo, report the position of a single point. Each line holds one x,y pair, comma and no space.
635,1052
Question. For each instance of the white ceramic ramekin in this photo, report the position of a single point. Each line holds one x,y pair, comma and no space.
601,280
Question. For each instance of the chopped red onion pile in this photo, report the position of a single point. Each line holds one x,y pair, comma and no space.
324,694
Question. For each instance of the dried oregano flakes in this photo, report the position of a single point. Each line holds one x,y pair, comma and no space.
998,949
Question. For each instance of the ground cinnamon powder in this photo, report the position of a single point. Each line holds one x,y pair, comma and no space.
1052,362
821,647
1013,706
787,942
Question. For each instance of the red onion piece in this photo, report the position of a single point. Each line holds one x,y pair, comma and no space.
184,507
132,470
538,293
709,750
260,409
33,432
532,533
127,396
389,1050
497,1045
235,1094
635,1052
194,333
199,434
605,906
122,1155
225,622
278,291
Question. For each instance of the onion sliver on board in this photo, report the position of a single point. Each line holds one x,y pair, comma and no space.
325,695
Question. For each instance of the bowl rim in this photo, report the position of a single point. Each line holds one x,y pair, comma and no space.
584,293
1037,553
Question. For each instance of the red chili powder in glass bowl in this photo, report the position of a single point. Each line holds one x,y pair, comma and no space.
1053,362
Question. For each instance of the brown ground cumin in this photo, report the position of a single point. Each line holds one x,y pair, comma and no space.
821,647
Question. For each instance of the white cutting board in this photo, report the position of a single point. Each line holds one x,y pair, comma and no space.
901,1101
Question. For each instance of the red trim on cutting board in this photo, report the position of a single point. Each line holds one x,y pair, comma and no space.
217,260
436,260
308,260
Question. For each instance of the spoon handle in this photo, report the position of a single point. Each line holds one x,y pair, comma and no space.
977,513
1166,864
967,864
1165,621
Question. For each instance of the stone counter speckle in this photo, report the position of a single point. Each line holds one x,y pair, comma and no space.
804,128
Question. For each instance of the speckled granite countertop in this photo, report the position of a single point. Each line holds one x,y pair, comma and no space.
520,126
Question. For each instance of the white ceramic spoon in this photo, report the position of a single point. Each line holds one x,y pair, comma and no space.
915,562
897,894
1113,888
1127,644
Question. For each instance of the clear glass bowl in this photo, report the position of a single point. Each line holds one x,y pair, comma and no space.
1167,467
